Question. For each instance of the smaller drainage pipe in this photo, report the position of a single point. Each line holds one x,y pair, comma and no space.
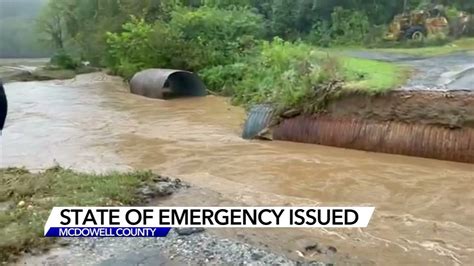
259,118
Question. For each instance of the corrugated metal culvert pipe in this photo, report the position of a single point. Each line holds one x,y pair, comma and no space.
167,84
258,119
419,140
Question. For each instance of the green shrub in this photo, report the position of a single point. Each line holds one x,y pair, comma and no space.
452,13
374,37
227,3
194,39
320,35
217,36
286,74
63,60
130,50
348,26
223,79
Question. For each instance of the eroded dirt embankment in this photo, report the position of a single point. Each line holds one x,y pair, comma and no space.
428,124
453,109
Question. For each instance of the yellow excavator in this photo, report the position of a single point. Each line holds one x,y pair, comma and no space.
416,25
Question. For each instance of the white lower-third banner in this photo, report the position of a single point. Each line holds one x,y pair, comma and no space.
157,221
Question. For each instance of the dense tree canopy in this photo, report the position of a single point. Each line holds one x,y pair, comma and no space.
82,23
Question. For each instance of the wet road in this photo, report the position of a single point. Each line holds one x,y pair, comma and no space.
447,72
424,208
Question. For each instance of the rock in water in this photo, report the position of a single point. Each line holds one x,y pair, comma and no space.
162,189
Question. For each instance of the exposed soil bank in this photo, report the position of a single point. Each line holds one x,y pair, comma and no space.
453,109
428,124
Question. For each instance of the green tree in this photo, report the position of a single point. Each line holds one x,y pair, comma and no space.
129,51
193,39
52,22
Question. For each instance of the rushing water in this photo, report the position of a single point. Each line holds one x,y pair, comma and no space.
424,208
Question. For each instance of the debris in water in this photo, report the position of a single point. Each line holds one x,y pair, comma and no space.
290,113
265,134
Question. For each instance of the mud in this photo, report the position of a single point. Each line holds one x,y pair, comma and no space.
453,109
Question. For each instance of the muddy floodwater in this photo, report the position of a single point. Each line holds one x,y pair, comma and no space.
424,208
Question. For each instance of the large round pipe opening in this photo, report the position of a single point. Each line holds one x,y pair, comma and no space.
167,84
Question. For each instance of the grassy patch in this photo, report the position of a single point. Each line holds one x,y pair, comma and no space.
465,44
27,198
372,76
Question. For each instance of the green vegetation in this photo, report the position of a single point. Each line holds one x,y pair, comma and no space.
26,200
192,40
254,51
294,75
373,77
80,26
63,60
286,74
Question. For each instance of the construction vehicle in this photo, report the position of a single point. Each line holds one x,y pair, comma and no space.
416,25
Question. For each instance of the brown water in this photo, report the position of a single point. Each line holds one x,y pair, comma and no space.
424,208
